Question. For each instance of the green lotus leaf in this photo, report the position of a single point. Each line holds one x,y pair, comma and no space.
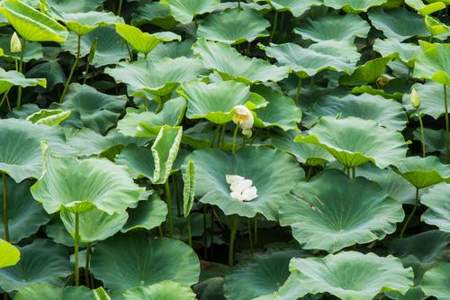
84,22
25,215
10,254
74,6
438,212
436,28
423,172
49,117
133,260
172,50
393,184
95,225
426,9
267,168
432,63
56,231
434,139
155,13
93,183
52,70
386,113
147,215
138,160
8,79
234,26
368,72
18,161
32,24
260,275
91,108
407,52
143,42
296,7
215,101
398,24
40,262
377,92
354,141
307,62
352,275
165,290
147,123
232,65
353,6
47,291
189,174
184,11
157,78
432,95
32,50
334,27
165,150
436,282
332,212
281,111
110,47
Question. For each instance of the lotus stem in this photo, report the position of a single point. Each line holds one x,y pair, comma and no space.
447,124
274,26
256,230
411,215
5,208
5,95
169,207
236,129
119,8
299,89
76,240
234,221
21,67
87,266
221,136
205,229
189,229
72,70
353,172
250,238
422,135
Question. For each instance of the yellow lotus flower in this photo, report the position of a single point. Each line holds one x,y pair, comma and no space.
243,117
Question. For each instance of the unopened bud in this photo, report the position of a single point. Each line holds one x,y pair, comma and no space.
15,44
415,99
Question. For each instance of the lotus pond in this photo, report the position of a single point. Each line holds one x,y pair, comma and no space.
216,149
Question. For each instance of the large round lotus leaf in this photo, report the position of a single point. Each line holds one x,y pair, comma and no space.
18,161
155,13
367,73
296,7
132,260
386,113
74,6
95,225
138,160
110,47
84,22
49,117
261,275
165,290
184,11
147,215
50,69
398,24
432,99
352,275
158,78
433,63
436,281
423,172
138,123
353,141
215,101
24,214
40,262
40,291
392,183
330,55
332,212
355,6
10,254
438,203
8,79
92,109
273,174
172,50
234,26
232,65
334,27
32,24
281,111
406,52
93,182
56,231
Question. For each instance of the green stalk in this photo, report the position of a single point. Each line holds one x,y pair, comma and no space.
239,4
222,136
447,124
5,95
416,204
19,90
119,8
76,240
189,228
274,26
299,88
353,172
256,230
86,266
169,207
234,221
422,135
72,70
250,238
5,208
234,139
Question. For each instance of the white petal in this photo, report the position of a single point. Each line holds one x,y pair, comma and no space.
233,179
241,185
249,194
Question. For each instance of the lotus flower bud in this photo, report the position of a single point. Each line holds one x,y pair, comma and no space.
415,99
15,44
243,117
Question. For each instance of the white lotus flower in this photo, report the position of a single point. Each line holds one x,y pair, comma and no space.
15,44
243,117
242,189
